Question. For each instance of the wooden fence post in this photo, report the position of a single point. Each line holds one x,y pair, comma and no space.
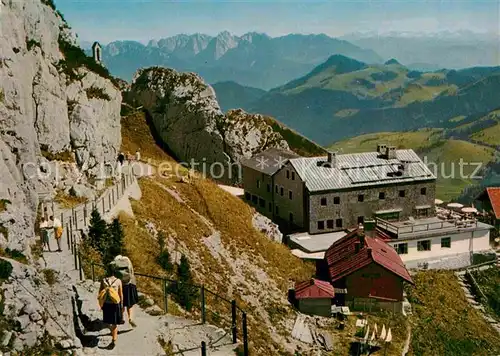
203,348
113,195
71,235
245,334
203,316
234,327
93,271
109,199
67,235
85,214
80,269
75,249
103,207
165,295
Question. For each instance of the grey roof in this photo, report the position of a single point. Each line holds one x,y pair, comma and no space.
360,170
269,161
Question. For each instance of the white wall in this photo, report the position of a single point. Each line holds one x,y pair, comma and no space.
460,243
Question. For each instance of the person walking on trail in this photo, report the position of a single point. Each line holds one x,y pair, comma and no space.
138,155
110,300
125,271
58,231
44,230
121,158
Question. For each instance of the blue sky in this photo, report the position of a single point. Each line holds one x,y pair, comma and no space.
108,20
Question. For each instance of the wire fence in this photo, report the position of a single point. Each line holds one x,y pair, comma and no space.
209,306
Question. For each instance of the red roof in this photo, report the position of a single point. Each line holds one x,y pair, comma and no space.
494,195
313,288
342,258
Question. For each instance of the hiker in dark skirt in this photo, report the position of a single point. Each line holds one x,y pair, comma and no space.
125,272
112,312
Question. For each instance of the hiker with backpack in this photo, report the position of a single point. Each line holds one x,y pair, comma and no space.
125,271
110,300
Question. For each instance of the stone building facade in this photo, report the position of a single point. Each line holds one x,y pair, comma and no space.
325,194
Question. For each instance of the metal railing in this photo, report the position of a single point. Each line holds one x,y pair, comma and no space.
422,227
203,293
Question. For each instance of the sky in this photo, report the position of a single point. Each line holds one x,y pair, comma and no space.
143,20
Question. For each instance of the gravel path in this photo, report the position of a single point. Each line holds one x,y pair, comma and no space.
184,334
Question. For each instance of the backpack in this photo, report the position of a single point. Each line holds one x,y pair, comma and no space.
121,265
108,294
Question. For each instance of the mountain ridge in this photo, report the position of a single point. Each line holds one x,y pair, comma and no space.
252,59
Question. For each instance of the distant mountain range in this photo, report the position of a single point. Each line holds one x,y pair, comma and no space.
344,97
432,51
254,59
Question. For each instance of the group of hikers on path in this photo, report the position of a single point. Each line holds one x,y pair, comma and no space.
51,226
118,295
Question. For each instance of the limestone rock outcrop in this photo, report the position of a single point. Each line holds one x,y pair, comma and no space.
49,111
187,117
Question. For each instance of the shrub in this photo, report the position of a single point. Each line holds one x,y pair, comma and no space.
14,254
50,276
75,57
114,247
97,93
49,3
3,204
30,43
5,269
184,290
2,96
165,262
64,156
98,232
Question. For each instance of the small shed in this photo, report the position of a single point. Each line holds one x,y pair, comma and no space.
314,297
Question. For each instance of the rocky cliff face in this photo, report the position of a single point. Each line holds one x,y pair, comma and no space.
186,115
50,108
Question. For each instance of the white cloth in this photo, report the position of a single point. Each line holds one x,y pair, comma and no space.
44,225
57,223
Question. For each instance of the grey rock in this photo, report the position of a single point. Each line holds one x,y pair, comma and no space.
29,339
267,227
149,302
154,310
35,317
189,120
7,335
80,190
23,321
65,344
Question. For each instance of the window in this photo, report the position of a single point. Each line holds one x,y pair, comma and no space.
269,188
277,210
338,222
276,188
287,174
361,219
446,242
402,193
293,175
423,191
336,200
291,217
290,194
329,224
381,195
258,183
401,249
254,199
248,196
424,245
262,203
282,191
361,198
270,207
321,225
323,201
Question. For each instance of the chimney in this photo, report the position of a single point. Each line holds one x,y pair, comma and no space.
332,158
361,241
369,228
382,148
391,152
356,246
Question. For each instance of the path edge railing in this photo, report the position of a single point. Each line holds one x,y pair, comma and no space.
234,306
